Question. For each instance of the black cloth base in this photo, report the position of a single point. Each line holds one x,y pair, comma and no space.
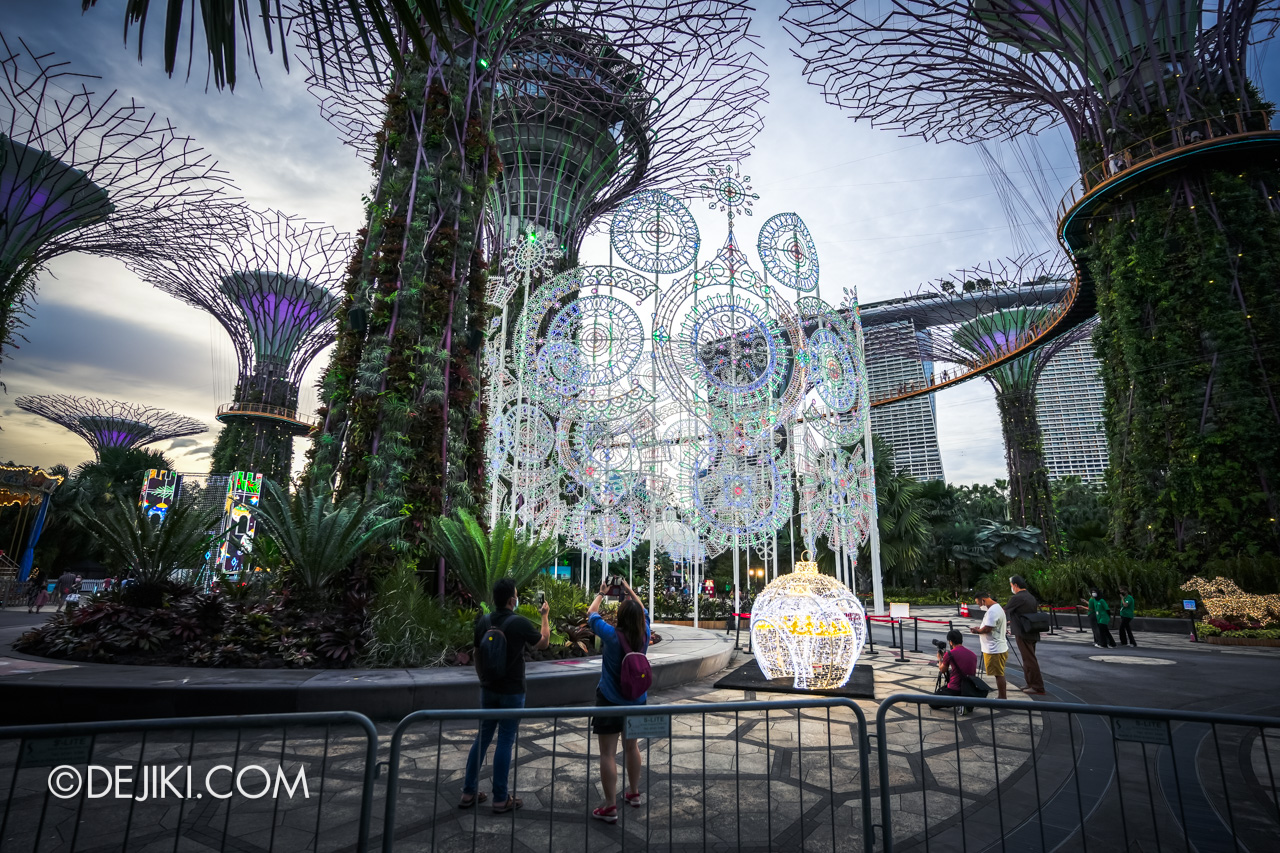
861,684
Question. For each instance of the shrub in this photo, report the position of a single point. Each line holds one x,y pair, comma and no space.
1151,582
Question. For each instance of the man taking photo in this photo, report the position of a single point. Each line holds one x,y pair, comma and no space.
995,646
956,664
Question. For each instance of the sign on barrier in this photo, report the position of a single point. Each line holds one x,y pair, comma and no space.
1141,731
649,726
52,751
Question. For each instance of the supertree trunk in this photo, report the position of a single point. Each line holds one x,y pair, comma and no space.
1030,499
1186,275
400,395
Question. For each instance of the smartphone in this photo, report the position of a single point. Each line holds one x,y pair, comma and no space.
542,598
615,587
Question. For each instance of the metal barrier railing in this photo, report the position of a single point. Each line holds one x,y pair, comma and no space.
786,775
299,781
1026,776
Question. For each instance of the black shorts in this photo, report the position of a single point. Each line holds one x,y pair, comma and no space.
607,725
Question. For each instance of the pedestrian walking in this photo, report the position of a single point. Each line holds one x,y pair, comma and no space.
625,677
1127,605
66,583
995,645
500,639
1100,615
1020,606
37,592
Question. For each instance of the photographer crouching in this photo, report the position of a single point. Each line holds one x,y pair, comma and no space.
956,664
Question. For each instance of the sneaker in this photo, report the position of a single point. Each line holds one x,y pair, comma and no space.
1098,646
634,800
608,815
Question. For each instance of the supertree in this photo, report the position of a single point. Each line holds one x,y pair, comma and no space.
110,423
85,172
1174,236
273,287
401,408
990,321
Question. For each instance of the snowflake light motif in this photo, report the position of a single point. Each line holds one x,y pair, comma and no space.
730,191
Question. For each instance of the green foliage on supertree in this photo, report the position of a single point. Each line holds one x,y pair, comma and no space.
1189,346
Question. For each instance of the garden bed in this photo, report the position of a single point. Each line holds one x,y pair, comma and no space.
1241,641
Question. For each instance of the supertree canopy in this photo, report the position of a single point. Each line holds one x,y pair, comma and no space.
594,100
1030,499
1174,237
86,172
110,423
273,288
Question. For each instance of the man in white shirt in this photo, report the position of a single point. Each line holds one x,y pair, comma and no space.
991,634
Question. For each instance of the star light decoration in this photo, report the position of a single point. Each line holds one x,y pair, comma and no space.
808,627
612,411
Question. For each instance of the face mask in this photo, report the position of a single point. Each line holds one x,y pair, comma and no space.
1093,595
516,605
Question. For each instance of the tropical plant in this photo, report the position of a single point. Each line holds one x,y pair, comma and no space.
1153,583
478,559
409,627
904,530
956,552
1088,539
316,537
150,551
1009,542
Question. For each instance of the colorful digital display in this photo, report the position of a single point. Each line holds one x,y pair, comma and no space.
244,489
160,491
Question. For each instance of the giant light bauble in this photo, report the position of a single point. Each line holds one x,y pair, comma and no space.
808,627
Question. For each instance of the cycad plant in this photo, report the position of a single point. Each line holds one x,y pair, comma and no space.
151,551
316,537
478,559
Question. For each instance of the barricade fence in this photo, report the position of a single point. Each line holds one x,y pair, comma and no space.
1051,776
785,775
275,781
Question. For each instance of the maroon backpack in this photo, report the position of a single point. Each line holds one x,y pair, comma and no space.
636,676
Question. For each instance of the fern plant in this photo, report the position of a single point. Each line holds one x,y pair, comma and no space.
479,559
150,550
316,537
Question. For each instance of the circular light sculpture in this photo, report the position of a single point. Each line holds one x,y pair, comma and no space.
808,626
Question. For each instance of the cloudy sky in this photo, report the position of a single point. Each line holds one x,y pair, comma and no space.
887,213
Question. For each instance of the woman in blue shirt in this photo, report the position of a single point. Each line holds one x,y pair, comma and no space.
633,625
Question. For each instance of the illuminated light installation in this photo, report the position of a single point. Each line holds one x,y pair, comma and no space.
110,423
244,490
614,414
86,172
273,287
680,85
160,491
809,627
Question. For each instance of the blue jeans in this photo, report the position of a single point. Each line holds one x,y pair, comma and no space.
501,752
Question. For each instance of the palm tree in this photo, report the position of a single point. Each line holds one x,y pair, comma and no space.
479,559
389,18
316,537
152,552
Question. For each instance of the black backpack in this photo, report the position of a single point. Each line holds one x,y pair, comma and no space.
491,654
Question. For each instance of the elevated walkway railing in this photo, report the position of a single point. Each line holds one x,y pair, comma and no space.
281,413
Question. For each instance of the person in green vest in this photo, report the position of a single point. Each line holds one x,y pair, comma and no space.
1100,612
1126,617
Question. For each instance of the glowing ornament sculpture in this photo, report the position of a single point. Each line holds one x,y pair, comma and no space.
809,627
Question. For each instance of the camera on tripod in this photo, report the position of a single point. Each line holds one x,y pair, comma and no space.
940,645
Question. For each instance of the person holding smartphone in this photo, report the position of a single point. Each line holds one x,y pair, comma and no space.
631,636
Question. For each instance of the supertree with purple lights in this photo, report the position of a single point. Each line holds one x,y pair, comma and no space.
273,287
1175,231
594,101
110,423
990,321
85,172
